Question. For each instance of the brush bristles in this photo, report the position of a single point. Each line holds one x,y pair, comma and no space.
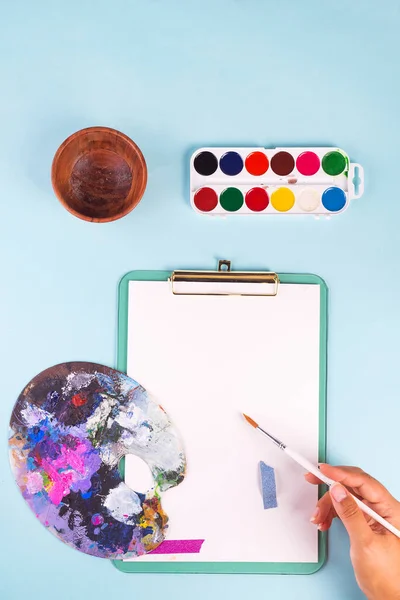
250,420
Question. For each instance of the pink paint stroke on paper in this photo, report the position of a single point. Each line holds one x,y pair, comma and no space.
179,547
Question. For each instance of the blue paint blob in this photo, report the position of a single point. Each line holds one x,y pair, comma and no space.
106,382
231,163
35,435
334,199
31,463
142,497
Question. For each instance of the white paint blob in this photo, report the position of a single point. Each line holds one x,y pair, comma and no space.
123,503
309,199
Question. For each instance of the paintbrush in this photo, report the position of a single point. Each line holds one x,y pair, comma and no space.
306,464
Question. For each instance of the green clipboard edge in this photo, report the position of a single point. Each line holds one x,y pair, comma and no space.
233,567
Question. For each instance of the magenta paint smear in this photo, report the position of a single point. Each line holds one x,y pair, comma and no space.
179,547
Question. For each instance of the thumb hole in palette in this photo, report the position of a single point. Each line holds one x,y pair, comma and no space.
138,476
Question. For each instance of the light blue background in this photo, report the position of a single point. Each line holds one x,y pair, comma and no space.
175,75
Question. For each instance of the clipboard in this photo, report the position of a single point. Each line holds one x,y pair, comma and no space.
225,282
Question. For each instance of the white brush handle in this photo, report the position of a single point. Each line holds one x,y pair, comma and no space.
315,471
308,466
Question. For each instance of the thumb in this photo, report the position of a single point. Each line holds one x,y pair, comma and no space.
350,514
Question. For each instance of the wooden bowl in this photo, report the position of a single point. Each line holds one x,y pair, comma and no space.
99,174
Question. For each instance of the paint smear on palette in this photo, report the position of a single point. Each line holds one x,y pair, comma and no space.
179,547
69,428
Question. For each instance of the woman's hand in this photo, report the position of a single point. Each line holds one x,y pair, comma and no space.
374,551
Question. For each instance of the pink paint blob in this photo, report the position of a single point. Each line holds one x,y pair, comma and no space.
97,519
60,483
308,163
34,482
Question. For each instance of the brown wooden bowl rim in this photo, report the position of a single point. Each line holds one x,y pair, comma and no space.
56,160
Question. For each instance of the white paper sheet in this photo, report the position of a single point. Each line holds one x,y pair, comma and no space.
207,359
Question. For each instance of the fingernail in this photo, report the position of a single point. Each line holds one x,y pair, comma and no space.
305,475
338,492
315,515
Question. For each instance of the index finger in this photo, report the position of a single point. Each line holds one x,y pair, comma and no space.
311,478
362,483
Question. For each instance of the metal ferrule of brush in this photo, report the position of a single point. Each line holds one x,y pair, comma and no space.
280,444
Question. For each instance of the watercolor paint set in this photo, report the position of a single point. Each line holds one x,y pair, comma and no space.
297,181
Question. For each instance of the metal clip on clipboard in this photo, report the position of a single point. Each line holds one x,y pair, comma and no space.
224,275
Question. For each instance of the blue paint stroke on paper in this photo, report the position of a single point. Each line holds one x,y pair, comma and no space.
268,486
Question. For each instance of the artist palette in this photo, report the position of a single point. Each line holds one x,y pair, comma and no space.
318,181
